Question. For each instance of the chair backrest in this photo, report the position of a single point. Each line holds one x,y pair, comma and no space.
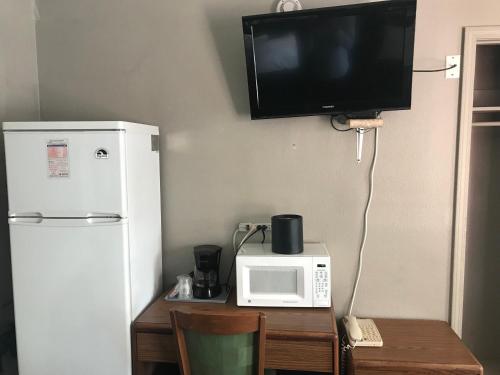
219,343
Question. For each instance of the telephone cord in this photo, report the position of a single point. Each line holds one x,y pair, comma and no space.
365,221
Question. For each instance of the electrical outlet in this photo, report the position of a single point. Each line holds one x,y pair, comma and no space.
455,72
244,227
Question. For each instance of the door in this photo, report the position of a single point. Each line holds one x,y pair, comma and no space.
71,296
66,174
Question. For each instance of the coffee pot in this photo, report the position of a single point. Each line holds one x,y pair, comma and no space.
206,271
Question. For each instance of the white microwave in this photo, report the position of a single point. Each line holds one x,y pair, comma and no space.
264,278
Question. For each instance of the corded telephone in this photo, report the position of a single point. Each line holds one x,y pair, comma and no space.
362,332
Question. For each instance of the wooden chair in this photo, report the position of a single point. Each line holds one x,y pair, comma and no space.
217,343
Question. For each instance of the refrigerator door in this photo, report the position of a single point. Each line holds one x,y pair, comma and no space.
66,174
71,296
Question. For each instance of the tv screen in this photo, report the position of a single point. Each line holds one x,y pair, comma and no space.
336,60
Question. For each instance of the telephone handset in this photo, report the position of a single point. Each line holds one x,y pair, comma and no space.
362,332
352,329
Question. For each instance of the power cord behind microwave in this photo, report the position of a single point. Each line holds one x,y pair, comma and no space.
251,232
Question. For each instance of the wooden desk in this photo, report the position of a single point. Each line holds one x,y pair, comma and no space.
415,347
297,338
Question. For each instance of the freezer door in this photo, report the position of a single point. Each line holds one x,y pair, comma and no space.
66,174
71,296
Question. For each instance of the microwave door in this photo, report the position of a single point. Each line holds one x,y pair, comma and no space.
275,281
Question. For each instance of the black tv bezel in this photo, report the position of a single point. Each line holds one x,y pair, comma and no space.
353,107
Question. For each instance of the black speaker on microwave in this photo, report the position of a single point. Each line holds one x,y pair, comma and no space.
287,234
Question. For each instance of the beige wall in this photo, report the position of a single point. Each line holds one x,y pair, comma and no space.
18,101
180,65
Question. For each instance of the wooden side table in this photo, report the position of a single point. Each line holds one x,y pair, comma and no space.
416,347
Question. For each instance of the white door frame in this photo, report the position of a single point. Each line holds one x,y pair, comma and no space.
473,37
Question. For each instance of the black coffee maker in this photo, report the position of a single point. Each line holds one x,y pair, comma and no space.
206,271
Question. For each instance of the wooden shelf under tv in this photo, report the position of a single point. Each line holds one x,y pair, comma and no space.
486,109
493,123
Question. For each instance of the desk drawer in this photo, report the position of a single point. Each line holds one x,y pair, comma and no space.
417,371
280,354
299,355
154,347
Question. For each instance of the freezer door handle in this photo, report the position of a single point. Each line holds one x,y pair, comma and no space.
26,220
103,220
26,217
88,219
100,217
25,214
103,215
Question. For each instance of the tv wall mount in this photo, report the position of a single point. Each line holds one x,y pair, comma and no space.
362,123
288,6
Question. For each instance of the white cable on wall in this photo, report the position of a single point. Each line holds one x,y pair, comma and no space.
36,12
365,221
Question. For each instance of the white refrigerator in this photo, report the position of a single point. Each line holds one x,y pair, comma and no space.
85,232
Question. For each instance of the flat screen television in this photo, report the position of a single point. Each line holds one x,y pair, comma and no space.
336,60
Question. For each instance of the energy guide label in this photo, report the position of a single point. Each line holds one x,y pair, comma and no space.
57,154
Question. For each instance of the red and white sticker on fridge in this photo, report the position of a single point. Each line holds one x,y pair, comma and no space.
58,157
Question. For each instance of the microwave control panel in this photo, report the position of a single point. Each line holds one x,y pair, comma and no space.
321,282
